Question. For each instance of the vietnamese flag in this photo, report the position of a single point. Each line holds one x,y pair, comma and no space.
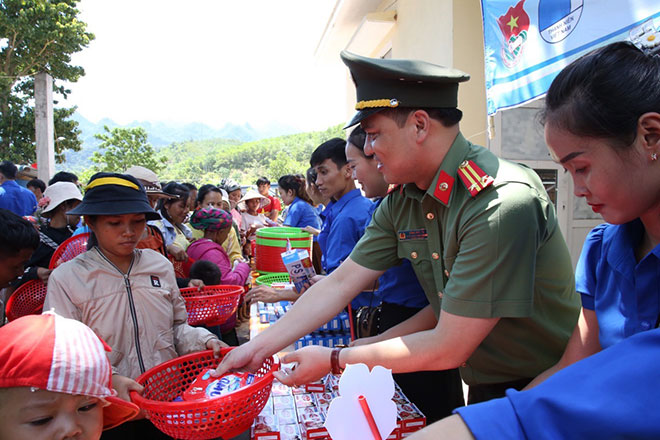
514,21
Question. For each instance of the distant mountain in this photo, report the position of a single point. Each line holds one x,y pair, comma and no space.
162,134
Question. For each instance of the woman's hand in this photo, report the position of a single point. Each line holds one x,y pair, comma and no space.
123,385
177,252
43,274
312,230
215,345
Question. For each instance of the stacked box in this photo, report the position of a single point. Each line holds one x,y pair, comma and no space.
299,413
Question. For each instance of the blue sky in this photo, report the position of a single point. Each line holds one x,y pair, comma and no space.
209,61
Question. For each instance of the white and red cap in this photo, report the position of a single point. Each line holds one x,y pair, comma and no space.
63,355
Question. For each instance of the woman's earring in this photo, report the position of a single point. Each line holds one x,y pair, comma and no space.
654,156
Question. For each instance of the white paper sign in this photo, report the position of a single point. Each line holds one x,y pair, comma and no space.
346,420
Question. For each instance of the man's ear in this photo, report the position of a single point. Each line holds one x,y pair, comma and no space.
648,128
421,123
347,172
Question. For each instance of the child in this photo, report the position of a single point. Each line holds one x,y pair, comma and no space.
128,296
60,197
18,239
55,381
251,219
207,271
272,209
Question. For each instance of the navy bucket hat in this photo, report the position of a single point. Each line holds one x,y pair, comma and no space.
114,194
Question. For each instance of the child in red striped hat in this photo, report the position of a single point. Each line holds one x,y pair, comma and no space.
55,381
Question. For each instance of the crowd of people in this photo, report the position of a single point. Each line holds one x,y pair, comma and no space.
459,250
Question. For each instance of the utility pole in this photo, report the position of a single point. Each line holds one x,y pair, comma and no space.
44,126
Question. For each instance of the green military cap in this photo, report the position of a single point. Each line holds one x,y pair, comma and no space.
389,83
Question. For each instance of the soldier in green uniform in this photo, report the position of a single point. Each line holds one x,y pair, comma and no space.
481,234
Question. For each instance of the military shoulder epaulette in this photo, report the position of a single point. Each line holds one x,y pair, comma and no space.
392,187
473,177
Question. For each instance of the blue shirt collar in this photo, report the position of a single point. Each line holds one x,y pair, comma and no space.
339,204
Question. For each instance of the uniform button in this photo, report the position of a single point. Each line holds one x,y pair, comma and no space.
430,216
463,164
443,186
439,294
446,273
645,325
463,365
413,255
435,255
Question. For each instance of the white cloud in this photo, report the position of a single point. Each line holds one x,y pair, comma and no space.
211,61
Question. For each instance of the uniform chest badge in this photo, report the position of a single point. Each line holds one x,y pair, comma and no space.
413,234
155,281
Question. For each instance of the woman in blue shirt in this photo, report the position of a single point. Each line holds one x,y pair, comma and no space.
301,213
602,123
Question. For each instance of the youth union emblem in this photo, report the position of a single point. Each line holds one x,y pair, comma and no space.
558,18
515,27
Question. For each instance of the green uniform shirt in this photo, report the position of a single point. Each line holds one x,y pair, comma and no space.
499,253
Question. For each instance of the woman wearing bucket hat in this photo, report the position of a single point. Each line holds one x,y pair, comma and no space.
58,199
128,296
39,350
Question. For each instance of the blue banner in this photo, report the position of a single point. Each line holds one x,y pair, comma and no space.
527,42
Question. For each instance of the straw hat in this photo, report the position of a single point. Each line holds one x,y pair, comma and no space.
60,355
149,181
253,194
60,192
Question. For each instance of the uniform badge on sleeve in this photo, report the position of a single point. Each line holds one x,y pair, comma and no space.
155,281
473,177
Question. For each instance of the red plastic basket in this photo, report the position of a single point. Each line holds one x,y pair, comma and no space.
69,249
212,305
226,416
28,299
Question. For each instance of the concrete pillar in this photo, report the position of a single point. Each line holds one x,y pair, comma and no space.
44,126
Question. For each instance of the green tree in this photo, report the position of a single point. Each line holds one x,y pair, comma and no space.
35,36
125,147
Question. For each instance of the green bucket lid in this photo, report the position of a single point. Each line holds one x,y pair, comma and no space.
282,233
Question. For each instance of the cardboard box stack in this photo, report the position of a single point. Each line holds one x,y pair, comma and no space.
299,413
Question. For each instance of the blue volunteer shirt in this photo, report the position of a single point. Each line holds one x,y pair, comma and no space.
344,222
301,214
399,284
21,201
610,395
624,293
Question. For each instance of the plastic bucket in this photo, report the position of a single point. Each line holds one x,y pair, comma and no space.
271,242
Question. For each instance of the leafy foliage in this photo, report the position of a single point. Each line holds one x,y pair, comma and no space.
209,161
125,147
35,36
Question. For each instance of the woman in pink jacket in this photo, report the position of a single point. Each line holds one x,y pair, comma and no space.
216,225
